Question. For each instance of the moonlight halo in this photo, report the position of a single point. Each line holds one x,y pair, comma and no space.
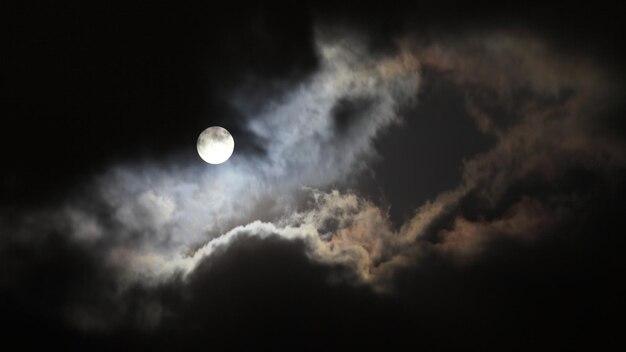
215,145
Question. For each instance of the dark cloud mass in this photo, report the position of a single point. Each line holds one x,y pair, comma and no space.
436,177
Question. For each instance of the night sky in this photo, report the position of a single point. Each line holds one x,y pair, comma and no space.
423,176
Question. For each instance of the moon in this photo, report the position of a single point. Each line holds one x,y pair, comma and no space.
215,145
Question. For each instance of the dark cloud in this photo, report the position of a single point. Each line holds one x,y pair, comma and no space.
560,292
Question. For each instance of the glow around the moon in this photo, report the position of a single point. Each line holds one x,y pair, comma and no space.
215,145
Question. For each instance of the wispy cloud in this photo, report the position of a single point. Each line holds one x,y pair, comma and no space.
156,222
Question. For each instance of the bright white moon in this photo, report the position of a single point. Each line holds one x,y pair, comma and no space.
215,145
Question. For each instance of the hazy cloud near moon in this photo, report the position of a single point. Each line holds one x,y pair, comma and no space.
157,213
155,223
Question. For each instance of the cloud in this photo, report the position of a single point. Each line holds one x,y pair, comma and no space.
146,219
155,233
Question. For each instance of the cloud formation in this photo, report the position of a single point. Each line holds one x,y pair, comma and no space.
156,225
147,217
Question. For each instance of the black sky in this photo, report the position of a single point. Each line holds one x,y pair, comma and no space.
87,87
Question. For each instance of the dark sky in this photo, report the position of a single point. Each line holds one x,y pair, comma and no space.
470,197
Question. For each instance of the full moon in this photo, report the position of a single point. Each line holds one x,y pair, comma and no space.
215,145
